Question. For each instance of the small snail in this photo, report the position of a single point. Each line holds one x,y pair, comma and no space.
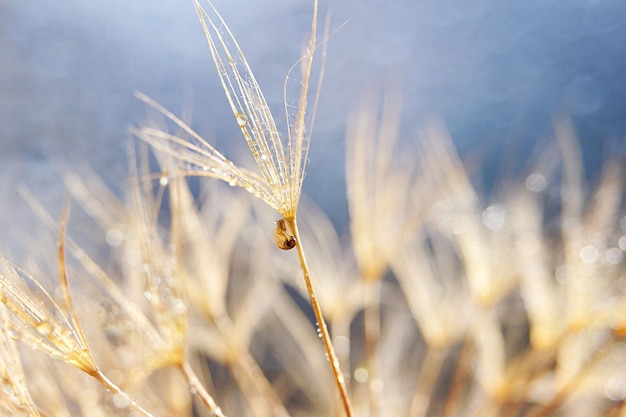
283,239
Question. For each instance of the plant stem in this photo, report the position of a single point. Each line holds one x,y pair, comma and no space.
321,324
110,385
199,389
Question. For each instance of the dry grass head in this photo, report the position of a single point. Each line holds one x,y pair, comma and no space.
39,321
281,166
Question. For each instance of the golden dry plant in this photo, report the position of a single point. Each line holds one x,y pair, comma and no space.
440,301
281,166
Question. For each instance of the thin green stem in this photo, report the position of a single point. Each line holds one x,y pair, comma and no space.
321,324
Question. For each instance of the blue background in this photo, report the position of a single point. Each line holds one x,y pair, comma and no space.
495,71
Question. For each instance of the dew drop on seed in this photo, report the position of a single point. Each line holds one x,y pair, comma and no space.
615,389
361,375
163,181
614,256
147,295
121,400
589,254
536,182
44,328
193,390
242,120
114,237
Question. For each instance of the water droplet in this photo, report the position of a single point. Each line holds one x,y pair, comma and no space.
614,256
494,217
193,390
361,375
147,295
242,120
114,237
589,254
44,328
263,157
615,389
121,400
163,181
536,183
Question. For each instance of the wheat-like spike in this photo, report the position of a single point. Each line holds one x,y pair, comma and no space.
246,100
41,322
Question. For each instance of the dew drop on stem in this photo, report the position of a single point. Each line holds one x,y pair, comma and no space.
242,120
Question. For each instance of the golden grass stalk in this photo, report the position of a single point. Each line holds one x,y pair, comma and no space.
42,323
165,340
281,167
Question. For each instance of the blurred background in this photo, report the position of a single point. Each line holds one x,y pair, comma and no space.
496,72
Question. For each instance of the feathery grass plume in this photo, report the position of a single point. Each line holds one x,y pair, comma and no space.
157,269
124,320
385,203
281,166
40,322
136,343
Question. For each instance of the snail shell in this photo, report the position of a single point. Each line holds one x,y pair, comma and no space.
283,239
